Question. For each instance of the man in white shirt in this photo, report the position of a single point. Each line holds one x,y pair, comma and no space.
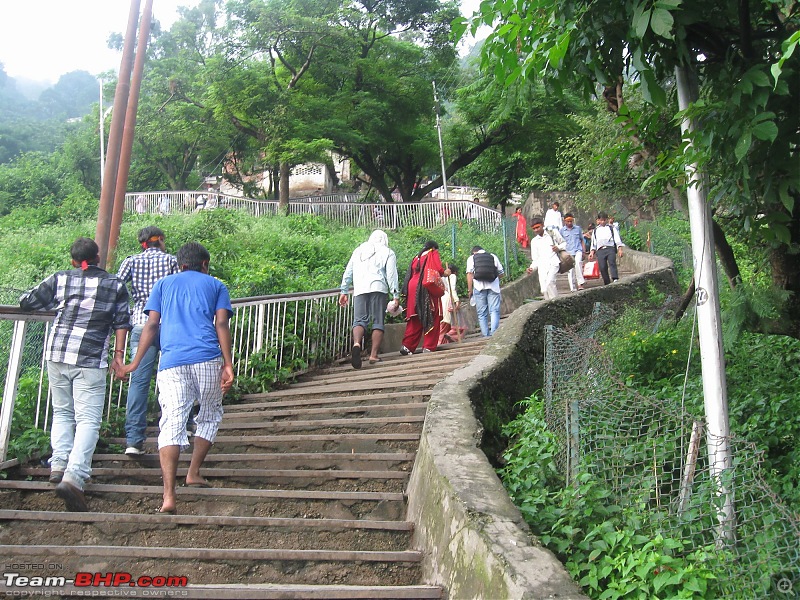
484,271
373,272
552,218
544,257
606,246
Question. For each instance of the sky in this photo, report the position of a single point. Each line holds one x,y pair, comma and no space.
41,40
44,39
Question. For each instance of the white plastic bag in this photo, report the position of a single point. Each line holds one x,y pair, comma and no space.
395,310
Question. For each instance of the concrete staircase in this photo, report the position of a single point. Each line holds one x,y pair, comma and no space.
308,499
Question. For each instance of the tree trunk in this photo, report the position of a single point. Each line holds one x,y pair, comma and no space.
725,255
786,275
685,300
283,188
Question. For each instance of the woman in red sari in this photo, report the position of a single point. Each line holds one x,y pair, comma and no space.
522,227
423,311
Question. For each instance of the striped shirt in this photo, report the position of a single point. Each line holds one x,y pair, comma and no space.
143,270
89,305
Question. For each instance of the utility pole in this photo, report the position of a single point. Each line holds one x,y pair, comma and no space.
102,137
106,208
709,324
441,146
130,127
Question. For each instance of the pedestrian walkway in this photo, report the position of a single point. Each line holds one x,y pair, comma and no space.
307,498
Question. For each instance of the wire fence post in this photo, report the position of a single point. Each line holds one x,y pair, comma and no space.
10,388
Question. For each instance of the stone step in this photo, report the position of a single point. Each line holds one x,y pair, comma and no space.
348,422
253,403
351,501
254,478
353,442
389,405
270,591
308,498
124,529
223,565
289,460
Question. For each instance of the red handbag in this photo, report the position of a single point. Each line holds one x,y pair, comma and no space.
432,281
591,270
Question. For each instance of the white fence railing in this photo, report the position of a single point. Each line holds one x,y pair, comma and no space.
344,209
296,329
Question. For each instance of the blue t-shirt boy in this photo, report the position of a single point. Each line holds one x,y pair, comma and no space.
187,303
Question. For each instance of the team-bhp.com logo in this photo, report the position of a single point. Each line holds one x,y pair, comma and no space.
93,580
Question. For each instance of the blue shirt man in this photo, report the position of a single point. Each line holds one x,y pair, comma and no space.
192,310
573,235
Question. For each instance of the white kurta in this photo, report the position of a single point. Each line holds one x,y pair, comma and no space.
545,261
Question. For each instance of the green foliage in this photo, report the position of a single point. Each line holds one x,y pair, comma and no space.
267,375
643,355
751,308
633,239
669,235
598,541
762,374
26,440
31,125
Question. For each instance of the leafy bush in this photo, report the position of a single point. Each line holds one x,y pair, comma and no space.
762,373
598,541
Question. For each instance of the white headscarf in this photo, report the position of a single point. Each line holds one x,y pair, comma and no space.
377,240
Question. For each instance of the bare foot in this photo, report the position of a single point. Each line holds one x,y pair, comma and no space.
168,504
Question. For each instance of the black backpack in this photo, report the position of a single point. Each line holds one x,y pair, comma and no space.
485,269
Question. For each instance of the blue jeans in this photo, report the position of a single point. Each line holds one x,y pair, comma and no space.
487,303
78,399
139,390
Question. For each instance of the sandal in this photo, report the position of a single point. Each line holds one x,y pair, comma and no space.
355,356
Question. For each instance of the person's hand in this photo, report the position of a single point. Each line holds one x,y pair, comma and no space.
591,255
619,252
226,380
117,365
121,371
555,248
343,300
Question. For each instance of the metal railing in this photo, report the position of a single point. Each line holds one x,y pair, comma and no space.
309,329
344,209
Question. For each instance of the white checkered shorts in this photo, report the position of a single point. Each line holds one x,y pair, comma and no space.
180,387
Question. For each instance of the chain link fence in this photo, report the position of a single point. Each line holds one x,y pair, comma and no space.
649,453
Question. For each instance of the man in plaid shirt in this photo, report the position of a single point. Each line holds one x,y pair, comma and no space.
142,271
89,304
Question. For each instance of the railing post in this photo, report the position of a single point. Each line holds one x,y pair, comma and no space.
12,381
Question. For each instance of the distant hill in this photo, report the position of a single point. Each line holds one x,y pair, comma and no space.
33,117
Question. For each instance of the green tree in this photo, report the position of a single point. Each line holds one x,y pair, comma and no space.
746,67
71,97
534,122
178,138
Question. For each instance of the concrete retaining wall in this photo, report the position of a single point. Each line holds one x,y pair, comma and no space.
475,541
